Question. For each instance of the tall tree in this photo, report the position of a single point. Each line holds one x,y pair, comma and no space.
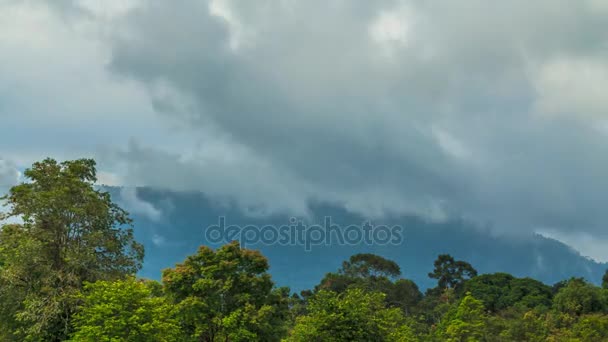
368,265
404,294
71,233
451,273
368,271
376,274
227,295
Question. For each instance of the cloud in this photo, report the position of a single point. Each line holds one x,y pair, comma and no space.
158,240
9,174
56,97
109,179
492,112
574,87
134,204
451,122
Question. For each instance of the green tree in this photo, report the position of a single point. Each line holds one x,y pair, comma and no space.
404,294
451,273
590,328
71,233
527,326
370,266
374,273
337,282
499,291
577,298
605,280
369,271
492,289
354,315
436,303
227,294
466,323
124,310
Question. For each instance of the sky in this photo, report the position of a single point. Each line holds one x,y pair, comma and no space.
493,112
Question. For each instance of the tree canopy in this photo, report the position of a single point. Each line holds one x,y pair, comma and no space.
68,272
70,233
451,273
125,310
354,315
227,294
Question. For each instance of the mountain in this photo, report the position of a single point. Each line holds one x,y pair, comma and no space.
172,225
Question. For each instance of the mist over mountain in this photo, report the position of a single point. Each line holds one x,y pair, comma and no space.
172,225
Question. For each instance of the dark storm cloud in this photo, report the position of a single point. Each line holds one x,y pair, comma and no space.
492,111
433,108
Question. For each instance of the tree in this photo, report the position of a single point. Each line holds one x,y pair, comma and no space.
451,273
590,328
354,315
577,298
370,266
337,282
529,325
404,294
227,294
605,280
374,273
368,271
466,323
124,310
491,289
499,291
71,234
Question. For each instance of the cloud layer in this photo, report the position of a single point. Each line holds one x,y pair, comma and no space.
9,175
494,112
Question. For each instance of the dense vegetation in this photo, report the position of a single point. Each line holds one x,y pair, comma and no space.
67,272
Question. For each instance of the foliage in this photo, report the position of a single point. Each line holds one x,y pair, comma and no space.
375,274
124,310
465,322
451,273
354,315
404,294
500,291
370,266
590,328
71,234
227,295
578,297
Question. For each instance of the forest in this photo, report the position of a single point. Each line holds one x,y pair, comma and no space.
69,263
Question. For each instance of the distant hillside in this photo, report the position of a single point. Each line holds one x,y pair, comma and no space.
179,230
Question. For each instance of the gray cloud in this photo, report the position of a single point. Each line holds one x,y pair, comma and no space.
9,175
489,111
135,205
433,108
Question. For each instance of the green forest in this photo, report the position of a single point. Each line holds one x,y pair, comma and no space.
69,259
